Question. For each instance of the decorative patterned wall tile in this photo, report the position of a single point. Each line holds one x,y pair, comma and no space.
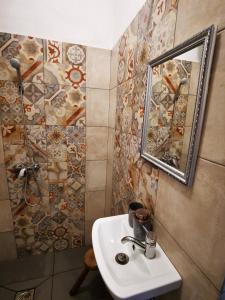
14,154
36,142
76,143
163,26
28,50
156,31
53,113
74,54
11,107
75,75
53,51
127,47
57,172
54,73
65,105
13,134
33,101
56,143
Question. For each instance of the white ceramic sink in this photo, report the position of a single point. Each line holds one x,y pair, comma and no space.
140,278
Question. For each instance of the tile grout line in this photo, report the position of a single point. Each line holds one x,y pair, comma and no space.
198,268
211,161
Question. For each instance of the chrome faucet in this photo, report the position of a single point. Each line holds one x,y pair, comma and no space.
149,246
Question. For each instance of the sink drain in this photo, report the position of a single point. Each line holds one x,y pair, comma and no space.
121,258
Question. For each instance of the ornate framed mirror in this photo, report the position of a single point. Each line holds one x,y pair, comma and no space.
175,104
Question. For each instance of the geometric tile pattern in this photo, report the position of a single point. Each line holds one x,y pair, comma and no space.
168,109
149,35
50,119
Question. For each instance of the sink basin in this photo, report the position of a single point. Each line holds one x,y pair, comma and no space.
140,278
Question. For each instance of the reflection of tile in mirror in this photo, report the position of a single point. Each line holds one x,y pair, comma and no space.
162,140
190,110
166,108
151,145
180,108
185,147
194,57
174,72
194,78
157,84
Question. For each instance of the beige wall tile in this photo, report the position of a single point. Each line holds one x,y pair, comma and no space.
7,246
194,16
4,194
98,68
6,222
108,200
195,285
111,143
195,216
112,107
97,141
213,139
97,107
88,232
114,65
94,205
96,175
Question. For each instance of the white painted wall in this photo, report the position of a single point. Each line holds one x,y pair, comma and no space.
124,12
96,23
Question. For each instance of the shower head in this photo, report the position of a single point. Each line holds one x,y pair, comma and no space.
183,81
15,63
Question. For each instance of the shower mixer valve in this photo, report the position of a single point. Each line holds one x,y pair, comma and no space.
25,170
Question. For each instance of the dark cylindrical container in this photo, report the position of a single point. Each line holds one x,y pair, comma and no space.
142,222
133,206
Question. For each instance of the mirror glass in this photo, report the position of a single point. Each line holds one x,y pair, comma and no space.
174,97
172,105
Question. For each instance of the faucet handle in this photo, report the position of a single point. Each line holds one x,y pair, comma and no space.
150,244
150,237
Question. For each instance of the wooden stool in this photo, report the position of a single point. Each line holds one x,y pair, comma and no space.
89,265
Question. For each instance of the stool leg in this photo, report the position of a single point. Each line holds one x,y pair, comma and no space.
79,281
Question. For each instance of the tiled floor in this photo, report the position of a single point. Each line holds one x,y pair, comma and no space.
52,276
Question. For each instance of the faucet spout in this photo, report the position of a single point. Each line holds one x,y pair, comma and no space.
132,240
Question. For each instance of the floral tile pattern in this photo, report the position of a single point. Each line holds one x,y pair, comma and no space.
28,50
76,144
65,105
13,134
133,178
156,30
33,102
47,127
127,46
54,51
11,107
74,55
36,140
56,143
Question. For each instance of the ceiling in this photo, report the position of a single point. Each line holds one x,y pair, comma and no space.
96,23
